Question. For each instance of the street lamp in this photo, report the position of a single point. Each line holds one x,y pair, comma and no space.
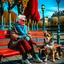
58,29
43,7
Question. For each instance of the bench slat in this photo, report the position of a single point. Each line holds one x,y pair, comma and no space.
5,52
4,42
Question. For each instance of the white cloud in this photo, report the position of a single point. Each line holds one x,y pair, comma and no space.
56,8
61,9
52,10
49,13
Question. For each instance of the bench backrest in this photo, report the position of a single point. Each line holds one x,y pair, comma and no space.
4,37
38,35
4,34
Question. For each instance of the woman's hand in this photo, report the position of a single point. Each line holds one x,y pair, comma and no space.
29,34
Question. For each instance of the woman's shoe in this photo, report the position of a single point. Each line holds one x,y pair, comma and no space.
53,60
45,60
38,60
27,61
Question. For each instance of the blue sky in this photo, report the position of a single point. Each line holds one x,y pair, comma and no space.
50,7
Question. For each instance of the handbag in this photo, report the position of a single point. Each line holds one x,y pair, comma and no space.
13,36
13,33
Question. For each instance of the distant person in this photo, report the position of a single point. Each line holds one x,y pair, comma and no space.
22,41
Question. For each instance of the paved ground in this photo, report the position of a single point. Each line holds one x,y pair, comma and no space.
17,60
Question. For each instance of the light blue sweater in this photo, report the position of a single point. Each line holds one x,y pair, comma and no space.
22,31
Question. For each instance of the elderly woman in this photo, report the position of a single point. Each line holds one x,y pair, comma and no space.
21,41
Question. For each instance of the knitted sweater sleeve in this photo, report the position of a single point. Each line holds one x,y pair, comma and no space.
20,29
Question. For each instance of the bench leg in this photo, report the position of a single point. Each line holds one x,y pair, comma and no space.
59,51
41,53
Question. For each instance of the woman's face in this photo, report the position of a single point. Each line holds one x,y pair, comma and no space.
21,22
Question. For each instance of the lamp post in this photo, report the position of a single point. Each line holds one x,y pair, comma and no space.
58,29
43,7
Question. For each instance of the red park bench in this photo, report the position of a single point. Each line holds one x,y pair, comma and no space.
5,39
